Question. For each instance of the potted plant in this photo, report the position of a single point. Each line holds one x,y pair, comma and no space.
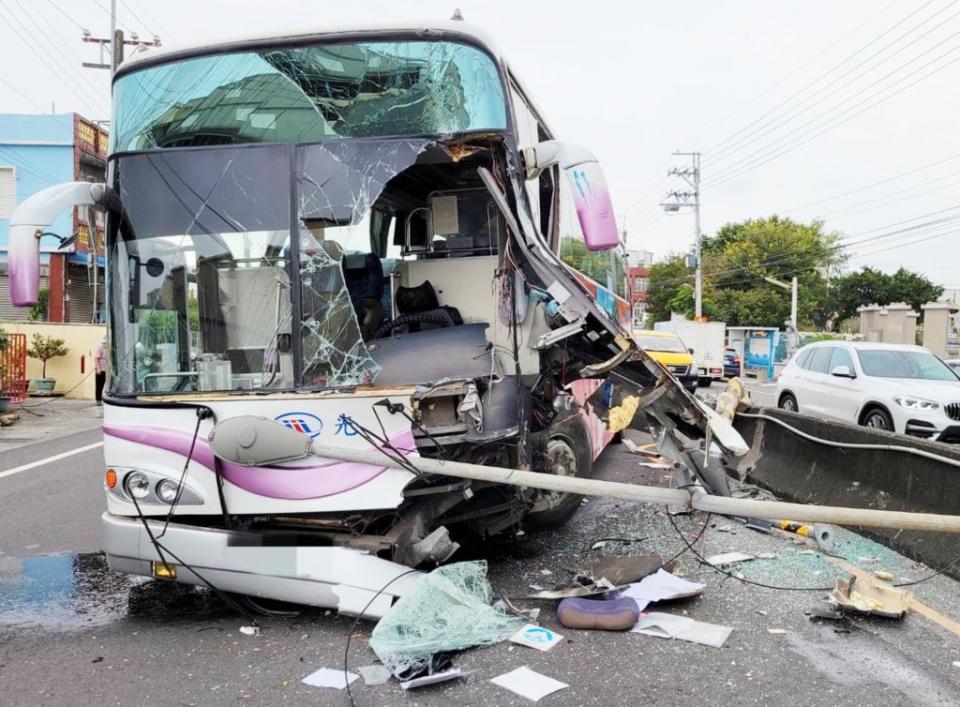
44,348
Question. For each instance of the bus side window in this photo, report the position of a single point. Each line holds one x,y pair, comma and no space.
605,267
529,133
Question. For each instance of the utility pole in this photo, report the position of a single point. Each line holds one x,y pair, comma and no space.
793,297
115,42
690,199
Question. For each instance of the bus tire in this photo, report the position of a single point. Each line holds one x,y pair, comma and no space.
567,452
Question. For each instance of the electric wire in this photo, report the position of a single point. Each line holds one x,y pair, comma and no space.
22,29
163,551
773,125
819,77
773,150
872,184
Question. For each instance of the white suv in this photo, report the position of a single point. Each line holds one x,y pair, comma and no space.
892,387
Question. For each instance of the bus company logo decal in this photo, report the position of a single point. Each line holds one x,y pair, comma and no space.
303,422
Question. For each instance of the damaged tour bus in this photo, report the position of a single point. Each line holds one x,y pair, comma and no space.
369,239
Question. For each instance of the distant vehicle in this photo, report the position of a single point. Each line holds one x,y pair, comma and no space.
731,363
707,341
669,349
893,387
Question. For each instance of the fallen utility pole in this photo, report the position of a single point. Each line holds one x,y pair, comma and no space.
693,498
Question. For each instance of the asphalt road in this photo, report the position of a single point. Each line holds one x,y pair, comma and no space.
73,633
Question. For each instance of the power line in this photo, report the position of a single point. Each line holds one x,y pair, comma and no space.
43,59
763,151
795,71
845,120
872,184
827,73
146,12
772,125
949,223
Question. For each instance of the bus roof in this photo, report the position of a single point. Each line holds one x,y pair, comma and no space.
417,30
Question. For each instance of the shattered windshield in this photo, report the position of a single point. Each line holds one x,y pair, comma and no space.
309,94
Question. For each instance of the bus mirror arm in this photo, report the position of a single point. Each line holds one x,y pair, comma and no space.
31,219
588,185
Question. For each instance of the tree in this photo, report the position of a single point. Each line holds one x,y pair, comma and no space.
869,286
44,348
38,312
664,281
737,258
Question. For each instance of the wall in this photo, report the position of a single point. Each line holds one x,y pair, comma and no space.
81,340
40,147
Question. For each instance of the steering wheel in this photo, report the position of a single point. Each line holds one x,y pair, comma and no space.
438,318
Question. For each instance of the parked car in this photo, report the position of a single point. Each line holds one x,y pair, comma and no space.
731,363
669,349
894,387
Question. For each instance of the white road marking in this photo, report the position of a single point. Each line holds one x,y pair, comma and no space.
49,460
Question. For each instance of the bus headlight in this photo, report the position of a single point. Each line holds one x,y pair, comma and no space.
167,490
137,485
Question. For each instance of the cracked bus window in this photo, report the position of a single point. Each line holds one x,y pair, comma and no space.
200,288
309,94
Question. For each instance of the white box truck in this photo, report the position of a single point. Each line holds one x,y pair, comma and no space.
706,341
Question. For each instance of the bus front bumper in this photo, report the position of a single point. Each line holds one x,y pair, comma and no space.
331,577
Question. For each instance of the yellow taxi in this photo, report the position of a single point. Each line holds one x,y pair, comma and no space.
669,349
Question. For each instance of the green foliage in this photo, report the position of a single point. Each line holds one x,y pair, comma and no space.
664,281
38,312
869,286
596,265
684,301
44,348
737,258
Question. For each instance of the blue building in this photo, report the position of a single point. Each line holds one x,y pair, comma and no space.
37,151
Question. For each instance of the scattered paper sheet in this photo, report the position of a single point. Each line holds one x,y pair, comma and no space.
528,683
423,680
660,587
327,677
663,625
533,636
729,558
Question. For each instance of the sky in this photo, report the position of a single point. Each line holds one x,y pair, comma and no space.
813,109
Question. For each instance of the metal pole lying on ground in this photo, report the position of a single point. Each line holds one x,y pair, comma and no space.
773,510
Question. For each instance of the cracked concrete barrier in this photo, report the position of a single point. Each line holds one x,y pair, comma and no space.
804,471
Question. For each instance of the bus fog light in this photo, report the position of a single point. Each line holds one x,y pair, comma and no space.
137,485
167,490
161,570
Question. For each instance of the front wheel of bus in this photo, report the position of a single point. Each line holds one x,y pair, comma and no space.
567,453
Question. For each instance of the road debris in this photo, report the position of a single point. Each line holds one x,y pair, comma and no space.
863,597
661,586
623,569
777,631
884,575
250,630
328,677
729,558
529,683
615,614
374,675
683,628
446,610
533,636
433,679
